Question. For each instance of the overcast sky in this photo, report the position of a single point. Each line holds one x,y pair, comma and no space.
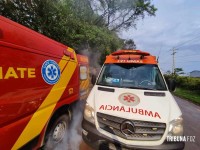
176,24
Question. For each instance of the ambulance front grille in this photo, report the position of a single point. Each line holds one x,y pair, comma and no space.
143,130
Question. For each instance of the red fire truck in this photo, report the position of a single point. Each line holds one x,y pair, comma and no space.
40,80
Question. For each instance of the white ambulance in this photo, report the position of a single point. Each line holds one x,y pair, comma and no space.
131,107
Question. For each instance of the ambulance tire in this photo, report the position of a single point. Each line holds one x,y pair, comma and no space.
57,132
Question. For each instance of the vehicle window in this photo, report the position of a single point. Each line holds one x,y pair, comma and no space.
138,76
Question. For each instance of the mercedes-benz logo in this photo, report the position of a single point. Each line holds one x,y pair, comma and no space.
127,128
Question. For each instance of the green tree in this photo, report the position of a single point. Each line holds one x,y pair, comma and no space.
129,44
178,71
168,72
118,14
81,24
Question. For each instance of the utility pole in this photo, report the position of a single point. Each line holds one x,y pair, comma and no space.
173,60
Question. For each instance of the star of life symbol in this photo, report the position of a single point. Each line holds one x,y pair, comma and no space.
129,99
50,72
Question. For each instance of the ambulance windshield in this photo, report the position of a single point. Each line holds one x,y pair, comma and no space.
136,76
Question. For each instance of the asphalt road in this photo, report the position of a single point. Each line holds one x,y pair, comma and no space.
191,116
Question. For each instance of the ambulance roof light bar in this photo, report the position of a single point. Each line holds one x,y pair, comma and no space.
130,52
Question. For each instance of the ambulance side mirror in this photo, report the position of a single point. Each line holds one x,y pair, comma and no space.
93,79
171,83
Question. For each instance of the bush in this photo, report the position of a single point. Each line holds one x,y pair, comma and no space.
188,83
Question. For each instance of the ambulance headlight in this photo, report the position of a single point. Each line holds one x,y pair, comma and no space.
89,113
176,127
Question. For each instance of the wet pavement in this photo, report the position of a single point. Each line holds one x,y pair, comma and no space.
191,116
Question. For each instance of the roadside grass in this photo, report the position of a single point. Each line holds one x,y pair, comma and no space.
193,96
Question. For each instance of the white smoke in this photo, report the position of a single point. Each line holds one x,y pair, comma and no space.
73,138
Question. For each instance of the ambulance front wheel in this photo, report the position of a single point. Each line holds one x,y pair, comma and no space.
57,132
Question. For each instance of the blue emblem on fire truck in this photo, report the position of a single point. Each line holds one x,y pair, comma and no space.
50,72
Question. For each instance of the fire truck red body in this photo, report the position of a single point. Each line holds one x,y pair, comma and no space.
39,81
